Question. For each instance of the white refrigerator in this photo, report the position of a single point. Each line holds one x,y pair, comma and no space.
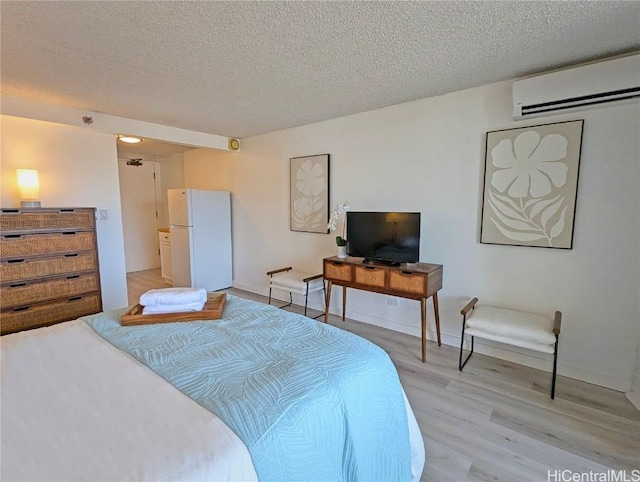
200,228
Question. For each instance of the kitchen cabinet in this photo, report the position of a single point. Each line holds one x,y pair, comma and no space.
165,256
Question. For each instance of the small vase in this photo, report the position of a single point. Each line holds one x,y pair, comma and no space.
342,251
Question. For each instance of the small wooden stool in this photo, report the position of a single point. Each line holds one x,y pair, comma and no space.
286,279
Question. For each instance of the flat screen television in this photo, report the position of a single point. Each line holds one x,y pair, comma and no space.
389,237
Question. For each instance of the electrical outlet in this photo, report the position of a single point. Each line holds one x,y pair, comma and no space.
393,301
104,214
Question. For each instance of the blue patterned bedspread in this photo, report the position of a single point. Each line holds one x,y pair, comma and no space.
310,401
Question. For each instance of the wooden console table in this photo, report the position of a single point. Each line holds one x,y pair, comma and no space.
415,281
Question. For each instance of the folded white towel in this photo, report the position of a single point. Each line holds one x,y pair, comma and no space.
157,309
173,296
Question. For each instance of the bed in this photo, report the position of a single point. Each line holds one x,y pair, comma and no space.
261,394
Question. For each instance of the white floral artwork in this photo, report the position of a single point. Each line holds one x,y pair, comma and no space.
530,186
310,193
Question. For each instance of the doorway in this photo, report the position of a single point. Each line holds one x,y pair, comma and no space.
140,195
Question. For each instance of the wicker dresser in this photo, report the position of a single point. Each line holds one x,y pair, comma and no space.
48,267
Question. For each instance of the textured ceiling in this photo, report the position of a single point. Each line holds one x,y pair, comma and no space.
244,68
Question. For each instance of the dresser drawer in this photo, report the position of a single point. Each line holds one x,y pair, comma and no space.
20,294
17,245
335,270
25,269
370,276
42,314
48,266
406,282
15,220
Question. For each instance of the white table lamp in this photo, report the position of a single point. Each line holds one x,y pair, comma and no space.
29,187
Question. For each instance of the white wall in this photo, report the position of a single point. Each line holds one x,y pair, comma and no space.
428,156
208,169
634,393
77,168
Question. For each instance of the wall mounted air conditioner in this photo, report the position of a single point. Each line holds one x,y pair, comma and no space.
579,88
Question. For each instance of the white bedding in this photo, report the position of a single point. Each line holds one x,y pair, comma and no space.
74,407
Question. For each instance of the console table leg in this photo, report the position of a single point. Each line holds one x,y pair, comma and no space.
326,306
437,313
344,301
423,314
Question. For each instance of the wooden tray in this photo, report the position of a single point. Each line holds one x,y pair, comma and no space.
213,309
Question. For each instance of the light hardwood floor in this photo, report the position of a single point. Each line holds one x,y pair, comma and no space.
495,420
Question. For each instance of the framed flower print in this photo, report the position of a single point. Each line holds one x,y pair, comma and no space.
309,201
531,185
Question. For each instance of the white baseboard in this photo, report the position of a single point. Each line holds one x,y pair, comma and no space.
635,382
634,397
485,347
634,393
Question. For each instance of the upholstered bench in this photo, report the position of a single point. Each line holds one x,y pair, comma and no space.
286,279
516,328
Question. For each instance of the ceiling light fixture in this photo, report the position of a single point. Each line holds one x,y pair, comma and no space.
129,139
